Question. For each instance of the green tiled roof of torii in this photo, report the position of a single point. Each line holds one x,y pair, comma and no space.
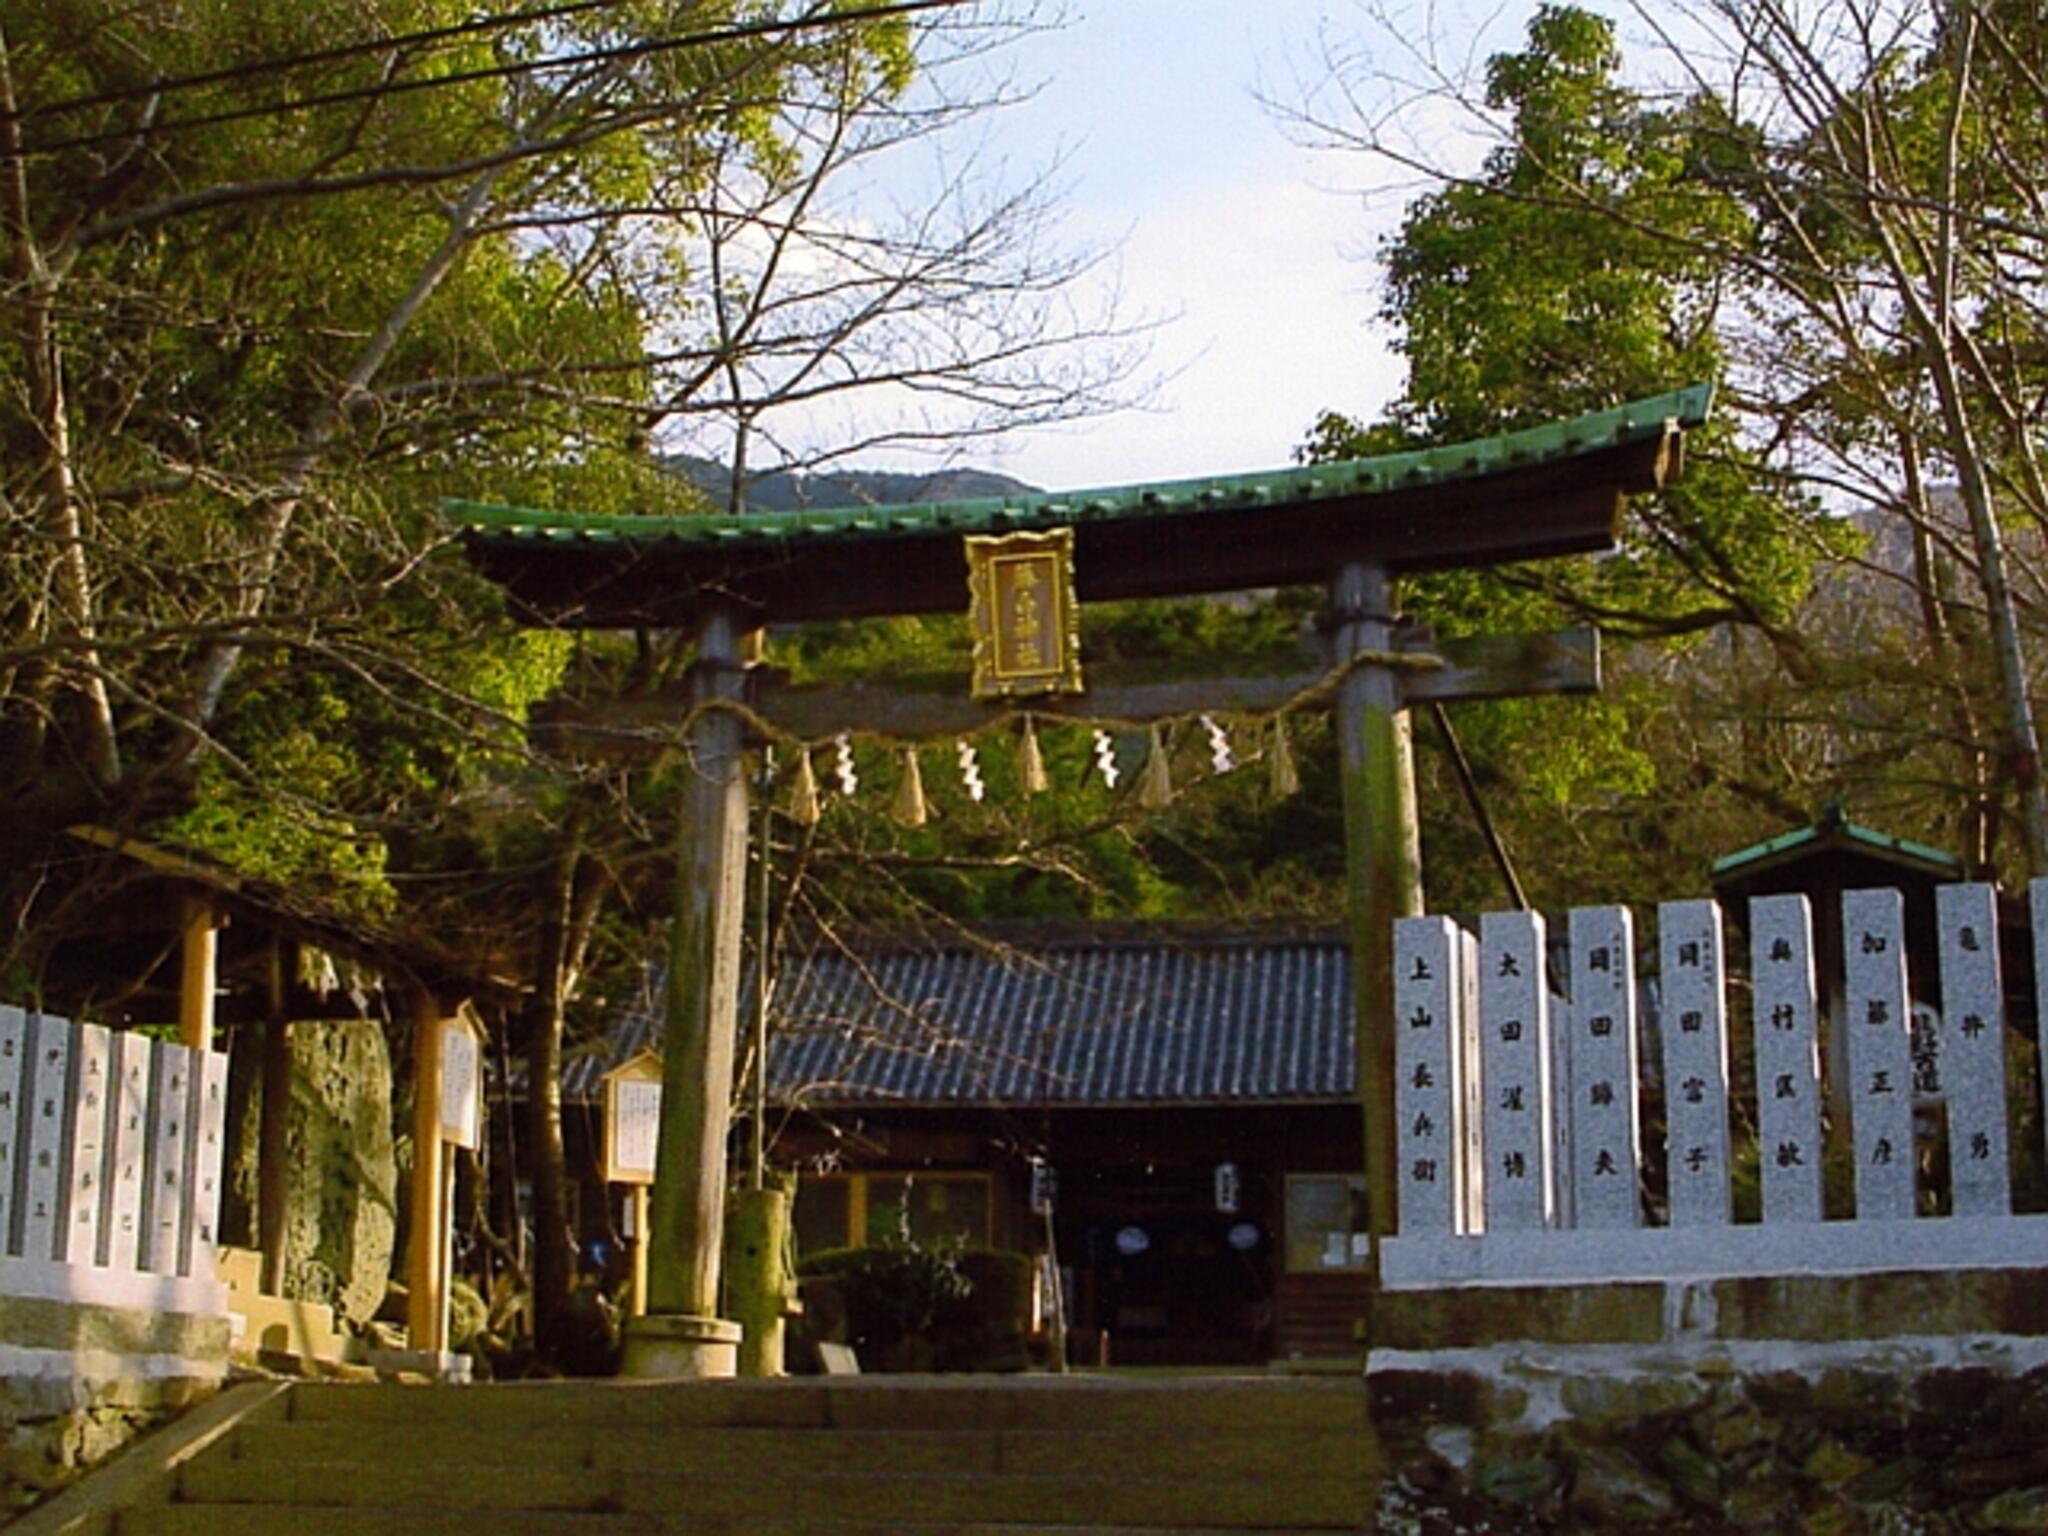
1549,490
1553,441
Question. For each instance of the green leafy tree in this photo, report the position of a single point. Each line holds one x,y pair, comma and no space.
280,278
1570,273
1852,193
1894,331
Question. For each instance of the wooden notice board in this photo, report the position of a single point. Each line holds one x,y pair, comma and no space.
462,1079
632,1119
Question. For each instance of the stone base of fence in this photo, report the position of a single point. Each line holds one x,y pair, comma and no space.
129,1290
1974,1311
79,1380
1563,1256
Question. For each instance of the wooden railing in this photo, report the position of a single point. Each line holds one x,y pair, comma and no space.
110,1166
1534,1147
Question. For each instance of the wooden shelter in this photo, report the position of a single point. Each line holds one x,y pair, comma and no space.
165,933
1833,854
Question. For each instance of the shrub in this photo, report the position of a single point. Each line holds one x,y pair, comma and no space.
929,1306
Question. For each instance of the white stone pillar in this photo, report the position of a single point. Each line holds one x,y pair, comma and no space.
1787,1029
1429,1075
85,1157
210,1119
49,1077
2037,920
1880,1053
1606,1135
1695,1062
165,1207
14,1047
1514,1012
1972,1029
129,1140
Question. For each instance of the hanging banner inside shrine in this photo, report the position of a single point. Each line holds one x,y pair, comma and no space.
1021,608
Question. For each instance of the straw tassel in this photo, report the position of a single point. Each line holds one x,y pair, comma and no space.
1155,784
803,792
1282,778
1030,763
909,808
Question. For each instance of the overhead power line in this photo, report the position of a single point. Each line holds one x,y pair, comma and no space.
644,48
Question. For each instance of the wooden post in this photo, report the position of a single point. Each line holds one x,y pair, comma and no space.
683,1336
273,1170
198,954
426,1304
759,1285
636,1200
1383,856
632,1131
444,1251
1056,1332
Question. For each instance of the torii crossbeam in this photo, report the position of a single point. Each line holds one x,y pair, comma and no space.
1352,527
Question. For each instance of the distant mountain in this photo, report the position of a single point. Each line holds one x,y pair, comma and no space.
843,488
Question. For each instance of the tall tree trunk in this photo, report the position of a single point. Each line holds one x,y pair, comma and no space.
574,898
274,517
1924,270
1947,322
553,1256
1950,662
56,494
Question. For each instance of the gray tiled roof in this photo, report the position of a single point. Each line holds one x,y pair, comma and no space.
1160,1021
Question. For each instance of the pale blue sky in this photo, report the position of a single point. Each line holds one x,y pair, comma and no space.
1238,234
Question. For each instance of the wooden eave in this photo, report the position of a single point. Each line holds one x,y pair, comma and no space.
134,935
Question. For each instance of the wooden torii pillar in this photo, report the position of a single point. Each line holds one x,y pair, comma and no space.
681,1333
1351,527
1382,861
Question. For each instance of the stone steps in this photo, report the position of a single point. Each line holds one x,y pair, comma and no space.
1070,1403
201,1520
1027,1456
746,1452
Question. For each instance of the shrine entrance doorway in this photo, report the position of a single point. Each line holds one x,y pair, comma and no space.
1158,1276
1352,529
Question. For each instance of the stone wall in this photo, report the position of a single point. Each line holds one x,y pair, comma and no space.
1941,1437
1903,1402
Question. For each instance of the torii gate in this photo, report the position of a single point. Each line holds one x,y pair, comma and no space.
1353,527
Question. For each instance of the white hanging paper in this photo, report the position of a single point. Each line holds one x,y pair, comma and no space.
1221,758
1105,759
970,771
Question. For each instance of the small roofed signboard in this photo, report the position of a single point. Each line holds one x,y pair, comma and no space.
1021,609
632,1119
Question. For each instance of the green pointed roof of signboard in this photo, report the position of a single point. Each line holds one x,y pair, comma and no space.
1833,828
1054,509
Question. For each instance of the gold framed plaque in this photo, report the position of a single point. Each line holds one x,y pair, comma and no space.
1027,626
